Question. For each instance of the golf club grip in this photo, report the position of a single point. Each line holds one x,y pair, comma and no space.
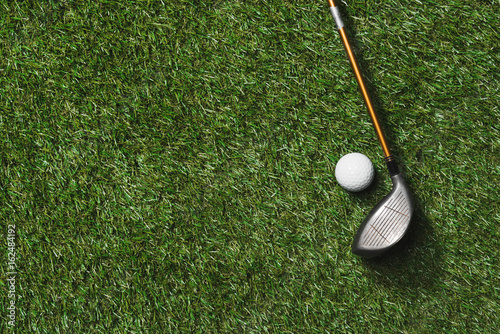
350,54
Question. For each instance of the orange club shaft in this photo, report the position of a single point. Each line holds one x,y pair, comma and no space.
359,78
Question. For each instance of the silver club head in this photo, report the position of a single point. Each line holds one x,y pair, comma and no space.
387,223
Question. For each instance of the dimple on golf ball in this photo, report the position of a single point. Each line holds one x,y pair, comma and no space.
354,172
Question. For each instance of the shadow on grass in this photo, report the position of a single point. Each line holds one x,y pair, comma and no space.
413,262
416,260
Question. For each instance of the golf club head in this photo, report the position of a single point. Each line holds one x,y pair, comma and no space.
387,223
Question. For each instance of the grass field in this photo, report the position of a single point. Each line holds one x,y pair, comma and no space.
169,167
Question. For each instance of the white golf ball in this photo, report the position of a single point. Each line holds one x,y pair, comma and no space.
354,172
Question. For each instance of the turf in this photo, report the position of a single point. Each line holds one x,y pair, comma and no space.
169,166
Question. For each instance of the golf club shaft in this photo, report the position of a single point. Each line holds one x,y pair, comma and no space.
340,25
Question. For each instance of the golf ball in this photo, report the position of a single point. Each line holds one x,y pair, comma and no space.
354,172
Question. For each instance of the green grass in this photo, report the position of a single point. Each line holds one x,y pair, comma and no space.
170,167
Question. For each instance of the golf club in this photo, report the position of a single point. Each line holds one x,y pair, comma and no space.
388,221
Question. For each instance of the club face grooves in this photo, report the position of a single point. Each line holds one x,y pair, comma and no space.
387,222
387,226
